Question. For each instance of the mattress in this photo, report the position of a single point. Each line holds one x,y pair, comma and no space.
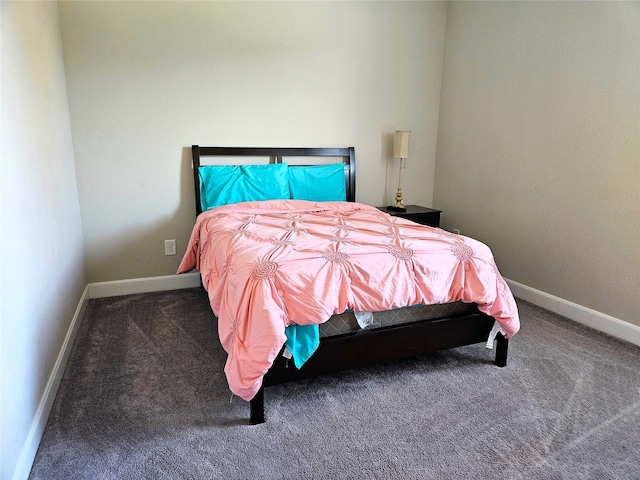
346,322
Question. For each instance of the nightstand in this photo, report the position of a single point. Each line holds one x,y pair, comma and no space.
418,214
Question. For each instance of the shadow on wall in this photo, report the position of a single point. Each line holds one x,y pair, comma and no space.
138,251
390,169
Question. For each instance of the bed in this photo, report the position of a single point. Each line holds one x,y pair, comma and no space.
306,281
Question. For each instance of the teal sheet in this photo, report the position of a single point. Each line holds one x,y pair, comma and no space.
302,341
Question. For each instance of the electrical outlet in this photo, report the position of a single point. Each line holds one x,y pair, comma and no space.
456,231
169,247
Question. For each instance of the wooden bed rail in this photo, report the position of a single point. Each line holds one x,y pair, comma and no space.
366,347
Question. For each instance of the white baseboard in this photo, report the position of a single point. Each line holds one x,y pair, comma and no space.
586,316
41,416
144,285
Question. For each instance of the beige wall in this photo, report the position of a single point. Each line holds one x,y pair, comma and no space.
148,79
42,259
538,146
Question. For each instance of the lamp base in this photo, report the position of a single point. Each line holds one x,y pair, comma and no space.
396,209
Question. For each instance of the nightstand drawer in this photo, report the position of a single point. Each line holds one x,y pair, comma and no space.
418,214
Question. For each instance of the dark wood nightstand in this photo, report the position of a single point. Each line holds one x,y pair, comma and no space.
418,214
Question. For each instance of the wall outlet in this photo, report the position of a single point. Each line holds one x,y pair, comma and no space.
456,231
169,247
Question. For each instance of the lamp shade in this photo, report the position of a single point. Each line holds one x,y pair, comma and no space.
401,144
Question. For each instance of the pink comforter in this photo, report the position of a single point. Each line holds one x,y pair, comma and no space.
269,264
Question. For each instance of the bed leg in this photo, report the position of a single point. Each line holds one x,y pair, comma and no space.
502,345
257,408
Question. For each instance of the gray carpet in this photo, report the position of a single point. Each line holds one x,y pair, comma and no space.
144,396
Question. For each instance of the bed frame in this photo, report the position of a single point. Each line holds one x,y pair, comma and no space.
365,347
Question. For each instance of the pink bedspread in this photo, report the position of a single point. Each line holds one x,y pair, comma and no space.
269,264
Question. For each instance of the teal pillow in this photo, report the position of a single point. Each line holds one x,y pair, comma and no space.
318,183
225,184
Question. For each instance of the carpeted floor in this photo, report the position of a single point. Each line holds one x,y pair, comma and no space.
144,397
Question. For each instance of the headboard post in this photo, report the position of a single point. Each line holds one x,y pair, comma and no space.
351,178
195,154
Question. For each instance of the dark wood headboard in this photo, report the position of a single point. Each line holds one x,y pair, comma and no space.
277,155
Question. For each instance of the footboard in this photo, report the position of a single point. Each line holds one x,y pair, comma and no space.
363,348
